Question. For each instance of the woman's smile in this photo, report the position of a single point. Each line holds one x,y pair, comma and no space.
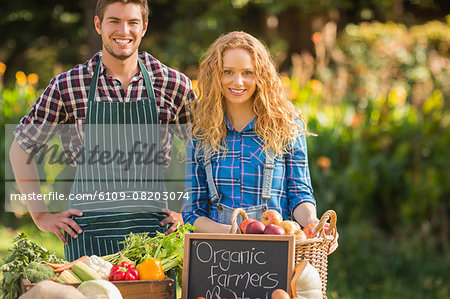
237,92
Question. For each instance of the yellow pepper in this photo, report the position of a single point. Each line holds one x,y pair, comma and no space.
150,269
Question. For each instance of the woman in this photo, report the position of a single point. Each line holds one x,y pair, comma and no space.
246,135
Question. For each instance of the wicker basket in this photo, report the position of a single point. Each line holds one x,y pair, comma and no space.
314,250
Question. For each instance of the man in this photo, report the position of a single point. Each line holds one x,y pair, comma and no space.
111,88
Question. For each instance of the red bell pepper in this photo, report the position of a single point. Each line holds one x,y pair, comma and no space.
123,271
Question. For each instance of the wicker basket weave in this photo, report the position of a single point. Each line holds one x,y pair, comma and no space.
314,250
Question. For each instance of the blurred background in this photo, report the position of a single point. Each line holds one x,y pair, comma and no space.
371,77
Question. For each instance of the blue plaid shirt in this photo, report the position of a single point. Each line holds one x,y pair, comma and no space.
238,176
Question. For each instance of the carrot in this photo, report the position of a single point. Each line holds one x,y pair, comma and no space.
69,265
54,266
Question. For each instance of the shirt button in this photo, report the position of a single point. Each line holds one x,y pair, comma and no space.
238,181
238,157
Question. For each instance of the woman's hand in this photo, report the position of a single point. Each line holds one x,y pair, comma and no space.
172,217
205,225
334,245
305,214
54,223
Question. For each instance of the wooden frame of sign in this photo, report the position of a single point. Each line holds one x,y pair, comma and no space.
243,266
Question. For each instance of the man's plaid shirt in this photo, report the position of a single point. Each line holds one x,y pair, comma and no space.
64,101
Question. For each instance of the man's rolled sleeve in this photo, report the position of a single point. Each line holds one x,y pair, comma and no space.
37,127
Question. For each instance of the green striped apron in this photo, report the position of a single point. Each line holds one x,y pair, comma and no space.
112,126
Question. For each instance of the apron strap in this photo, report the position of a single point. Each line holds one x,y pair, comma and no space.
149,87
269,165
93,86
209,175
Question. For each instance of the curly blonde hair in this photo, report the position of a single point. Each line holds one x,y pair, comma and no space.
275,115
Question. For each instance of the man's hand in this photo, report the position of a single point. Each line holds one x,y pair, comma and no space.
54,223
172,217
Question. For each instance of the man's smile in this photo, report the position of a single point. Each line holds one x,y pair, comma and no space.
122,41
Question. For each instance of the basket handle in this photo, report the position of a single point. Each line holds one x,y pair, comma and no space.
320,231
234,227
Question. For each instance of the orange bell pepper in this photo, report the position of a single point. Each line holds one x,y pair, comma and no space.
150,269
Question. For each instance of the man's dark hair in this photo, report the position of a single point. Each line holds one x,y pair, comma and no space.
102,4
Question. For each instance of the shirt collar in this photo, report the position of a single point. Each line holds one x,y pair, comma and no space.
248,127
102,70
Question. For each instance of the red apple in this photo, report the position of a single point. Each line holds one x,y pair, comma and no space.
273,229
271,217
255,227
290,226
245,223
309,230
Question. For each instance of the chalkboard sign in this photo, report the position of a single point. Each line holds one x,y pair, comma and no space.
236,266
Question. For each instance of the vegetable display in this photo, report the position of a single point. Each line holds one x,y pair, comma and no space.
20,255
167,248
154,257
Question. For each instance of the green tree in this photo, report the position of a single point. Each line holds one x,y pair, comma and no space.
30,25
